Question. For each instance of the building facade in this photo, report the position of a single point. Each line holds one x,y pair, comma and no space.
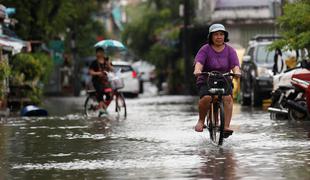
243,19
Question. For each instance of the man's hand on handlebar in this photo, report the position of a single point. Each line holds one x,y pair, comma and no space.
102,74
237,75
197,72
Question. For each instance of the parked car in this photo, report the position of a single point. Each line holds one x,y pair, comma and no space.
145,69
129,75
146,72
257,75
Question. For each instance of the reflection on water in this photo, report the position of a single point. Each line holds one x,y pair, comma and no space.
157,140
219,164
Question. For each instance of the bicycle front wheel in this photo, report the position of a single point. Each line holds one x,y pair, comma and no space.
120,105
90,106
216,123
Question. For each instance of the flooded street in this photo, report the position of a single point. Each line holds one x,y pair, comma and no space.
156,141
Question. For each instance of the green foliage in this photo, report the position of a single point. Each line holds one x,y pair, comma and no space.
31,70
151,36
147,21
295,26
176,78
5,70
46,64
87,35
26,65
140,34
49,19
160,56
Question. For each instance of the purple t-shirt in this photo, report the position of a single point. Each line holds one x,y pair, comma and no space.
211,60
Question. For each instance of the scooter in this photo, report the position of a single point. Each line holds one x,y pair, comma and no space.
288,96
299,109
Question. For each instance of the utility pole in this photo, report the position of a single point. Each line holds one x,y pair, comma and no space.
186,48
76,77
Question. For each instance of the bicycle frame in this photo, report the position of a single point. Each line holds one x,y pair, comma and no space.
215,118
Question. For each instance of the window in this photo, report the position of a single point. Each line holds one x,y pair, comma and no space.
251,52
123,68
263,55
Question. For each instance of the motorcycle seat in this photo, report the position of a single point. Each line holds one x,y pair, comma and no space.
285,87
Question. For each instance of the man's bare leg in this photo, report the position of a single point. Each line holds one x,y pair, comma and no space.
204,104
228,108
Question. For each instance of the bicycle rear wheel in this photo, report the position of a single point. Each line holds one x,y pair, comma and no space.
90,106
120,105
216,123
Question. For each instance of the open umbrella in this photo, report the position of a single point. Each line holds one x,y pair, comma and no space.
110,45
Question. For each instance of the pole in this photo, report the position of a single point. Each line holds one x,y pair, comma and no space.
76,77
186,48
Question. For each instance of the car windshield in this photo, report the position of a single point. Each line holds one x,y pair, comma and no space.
263,55
124,68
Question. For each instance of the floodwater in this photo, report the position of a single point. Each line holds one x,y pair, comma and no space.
156,141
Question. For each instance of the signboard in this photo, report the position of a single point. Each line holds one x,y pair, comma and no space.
57,48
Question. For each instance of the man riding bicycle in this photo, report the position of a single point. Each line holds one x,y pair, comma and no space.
216,55
98,70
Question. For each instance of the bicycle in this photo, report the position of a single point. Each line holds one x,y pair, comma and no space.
91,103
218,86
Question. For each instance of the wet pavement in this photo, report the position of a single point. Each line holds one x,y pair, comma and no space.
156,141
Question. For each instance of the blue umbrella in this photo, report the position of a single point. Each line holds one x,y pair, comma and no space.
110,45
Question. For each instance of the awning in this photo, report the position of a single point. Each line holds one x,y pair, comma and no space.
16,44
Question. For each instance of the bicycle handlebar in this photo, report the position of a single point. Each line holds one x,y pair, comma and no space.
216,73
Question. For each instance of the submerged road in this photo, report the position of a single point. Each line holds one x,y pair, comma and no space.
156,141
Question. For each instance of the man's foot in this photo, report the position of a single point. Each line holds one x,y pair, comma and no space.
199,126
227,130
102,112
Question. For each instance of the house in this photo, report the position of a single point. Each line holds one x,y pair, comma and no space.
9,46
243,19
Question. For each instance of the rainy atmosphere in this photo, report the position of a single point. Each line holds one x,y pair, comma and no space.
155,89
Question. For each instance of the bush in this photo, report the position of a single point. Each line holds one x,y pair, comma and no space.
26,65
5,72
31,70
46,65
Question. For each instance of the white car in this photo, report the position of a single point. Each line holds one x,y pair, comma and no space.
129,75
145,70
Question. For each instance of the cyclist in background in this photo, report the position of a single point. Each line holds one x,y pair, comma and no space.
97,70
216,55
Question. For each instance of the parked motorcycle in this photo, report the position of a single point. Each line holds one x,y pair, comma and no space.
298,108
291,95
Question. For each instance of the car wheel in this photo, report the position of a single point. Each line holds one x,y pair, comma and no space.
245,101
256,100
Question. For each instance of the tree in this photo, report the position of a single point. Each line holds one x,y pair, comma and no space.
49,19
153,34
295,26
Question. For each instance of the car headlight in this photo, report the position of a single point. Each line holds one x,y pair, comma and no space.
264,72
